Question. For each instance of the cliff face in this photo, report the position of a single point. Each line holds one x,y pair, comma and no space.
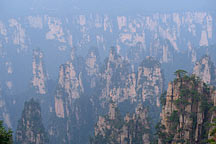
121,82
92,63
30,128
117,79
84,89
113,128
187,110
129,30
73,115
168,37
206,70
4,113
70,86
150,81
40,77
159,35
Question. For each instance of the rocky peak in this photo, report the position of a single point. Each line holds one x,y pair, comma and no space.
92,66
114,61
117,78
40,77
135,54
71,104
92,61
69,87
150,81
113,55
4,113
128,130
30,128
206,70
112,111
73,53
187,109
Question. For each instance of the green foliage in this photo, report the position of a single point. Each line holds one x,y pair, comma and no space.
114,128
164,137
174,117
194,96
213,108
5,135
180,73
163,98
212,140
205,104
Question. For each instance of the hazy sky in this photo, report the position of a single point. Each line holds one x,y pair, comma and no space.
152,4
8,6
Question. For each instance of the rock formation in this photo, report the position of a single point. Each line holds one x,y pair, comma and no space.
150,81
40,77
4,113
149,87
30,128
117,79
70,86
73,116
92,67
206,70
113,128
187,111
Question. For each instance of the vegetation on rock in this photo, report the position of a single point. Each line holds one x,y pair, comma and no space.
5,135
187,111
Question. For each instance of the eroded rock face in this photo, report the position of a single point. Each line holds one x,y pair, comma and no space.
158,35
118,80
149,87
150,81
85,88
30,128
92,63
4,113
186,109
206,70
19,35
129,30
73,109
114,129
149,31
40,77
69,88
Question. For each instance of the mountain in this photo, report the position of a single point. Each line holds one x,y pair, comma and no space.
59,53
86,87
188,109
206,70
92,67
114,128
73,114
4,112
40,77
150,81
117,78
30,128
167,37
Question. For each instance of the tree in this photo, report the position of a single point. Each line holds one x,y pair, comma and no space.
5,135
180,73
212,140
